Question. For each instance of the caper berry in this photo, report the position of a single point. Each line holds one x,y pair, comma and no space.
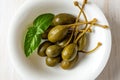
82,42
53,51
52,61
69,64
42,48
63,18
69,52
64,41
45,34
57,33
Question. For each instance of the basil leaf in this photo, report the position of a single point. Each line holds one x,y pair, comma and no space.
32,41
33,36
43,21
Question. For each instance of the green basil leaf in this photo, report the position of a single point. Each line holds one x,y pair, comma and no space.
32,41
33,36
43,21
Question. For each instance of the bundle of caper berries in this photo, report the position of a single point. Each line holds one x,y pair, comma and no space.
64,40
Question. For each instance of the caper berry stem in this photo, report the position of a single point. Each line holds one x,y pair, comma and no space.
86,29
69,39
89,22
81,11
88,52
98,25
81,35
85,1
83,15
102,26
89,30
72,25
77,19
78,23
82,23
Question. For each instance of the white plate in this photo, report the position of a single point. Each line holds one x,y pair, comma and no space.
34,67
